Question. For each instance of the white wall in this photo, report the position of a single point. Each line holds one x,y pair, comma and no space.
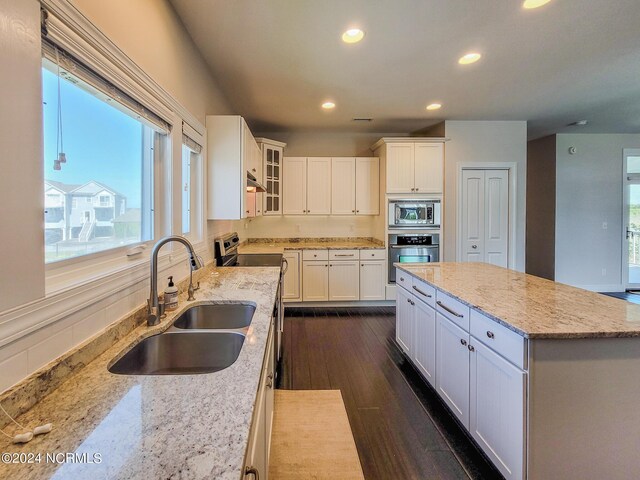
484,142
152,35
588,194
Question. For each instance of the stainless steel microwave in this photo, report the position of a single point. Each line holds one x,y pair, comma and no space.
414,213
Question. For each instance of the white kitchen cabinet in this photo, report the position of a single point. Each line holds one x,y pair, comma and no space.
412,165
424,351
428,167
343,186
404,320
306,186
497,410
452,367
318,186
294,186
315,280
230,147
372,279
344,280
272,168
257,457
291,290
367,198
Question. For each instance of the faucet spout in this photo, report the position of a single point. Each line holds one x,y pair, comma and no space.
153,308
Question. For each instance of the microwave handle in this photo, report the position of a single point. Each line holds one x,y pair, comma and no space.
396,214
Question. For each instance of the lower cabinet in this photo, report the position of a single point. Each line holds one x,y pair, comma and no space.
258,450
372,279
344,280
452,360
479,380
291,291
315,280
497,410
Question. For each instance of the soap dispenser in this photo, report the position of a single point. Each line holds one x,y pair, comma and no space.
171,296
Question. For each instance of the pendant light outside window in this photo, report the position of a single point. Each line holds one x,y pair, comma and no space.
62,157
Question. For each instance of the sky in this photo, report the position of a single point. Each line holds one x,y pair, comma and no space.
101,143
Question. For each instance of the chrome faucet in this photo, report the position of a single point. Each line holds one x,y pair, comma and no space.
153,307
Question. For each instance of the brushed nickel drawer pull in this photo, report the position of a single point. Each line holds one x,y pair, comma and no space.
490,334
421,292
459,315
343,255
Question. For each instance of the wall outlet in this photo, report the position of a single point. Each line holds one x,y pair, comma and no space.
297,227
605,225
604,272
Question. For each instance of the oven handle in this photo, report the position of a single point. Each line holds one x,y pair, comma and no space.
416,247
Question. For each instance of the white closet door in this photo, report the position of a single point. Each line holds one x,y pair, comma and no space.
473,215
496,224
485,216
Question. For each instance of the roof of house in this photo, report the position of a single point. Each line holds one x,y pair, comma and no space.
63,187
101,186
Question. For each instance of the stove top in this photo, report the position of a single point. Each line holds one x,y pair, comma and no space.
258,260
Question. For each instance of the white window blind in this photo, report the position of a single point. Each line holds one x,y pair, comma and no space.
191,138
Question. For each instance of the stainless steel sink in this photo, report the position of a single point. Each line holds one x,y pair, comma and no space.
216,316
181,353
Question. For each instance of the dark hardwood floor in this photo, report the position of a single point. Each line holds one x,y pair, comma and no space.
401,427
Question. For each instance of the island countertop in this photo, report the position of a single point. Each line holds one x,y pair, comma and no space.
531,306
156,426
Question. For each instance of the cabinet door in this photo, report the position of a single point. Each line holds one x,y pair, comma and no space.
257,449
269,397
318,186
368,186
429,163
294,186
400,165
343,186
250,204
452,367
497,412
315,280
291,291
424,352
272,174
404,320
372,284
344,280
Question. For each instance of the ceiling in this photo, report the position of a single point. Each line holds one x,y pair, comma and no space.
278,60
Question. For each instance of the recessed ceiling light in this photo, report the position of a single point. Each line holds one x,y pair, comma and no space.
328,105
353,35
469,58
434,106
529,4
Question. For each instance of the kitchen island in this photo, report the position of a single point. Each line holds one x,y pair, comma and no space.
544,376
156,426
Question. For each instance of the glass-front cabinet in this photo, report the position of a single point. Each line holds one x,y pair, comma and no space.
272,167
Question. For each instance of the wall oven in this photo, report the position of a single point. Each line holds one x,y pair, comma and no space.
412,248
414,213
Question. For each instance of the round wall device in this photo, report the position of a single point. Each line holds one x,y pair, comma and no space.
572,150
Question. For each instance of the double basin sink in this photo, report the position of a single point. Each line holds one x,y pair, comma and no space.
203,339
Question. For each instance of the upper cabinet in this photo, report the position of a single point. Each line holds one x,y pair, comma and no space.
412,165
272,168
306,186
318,186
355,188
231,152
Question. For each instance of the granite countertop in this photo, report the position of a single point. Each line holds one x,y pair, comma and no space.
531,306
279,245
165,426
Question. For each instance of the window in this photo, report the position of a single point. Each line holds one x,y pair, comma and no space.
93,143
191,178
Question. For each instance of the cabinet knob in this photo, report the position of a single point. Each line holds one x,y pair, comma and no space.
362,264
270,382
402,279
252,471
463,341
408,300
471,348
413,189
357,211
253,169
490,334
417,189
474,246
353,211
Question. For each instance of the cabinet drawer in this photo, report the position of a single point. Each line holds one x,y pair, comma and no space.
315,254
343,255
424,292
369,254
499,338
404,279
453,309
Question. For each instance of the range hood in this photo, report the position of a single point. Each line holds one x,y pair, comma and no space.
253,185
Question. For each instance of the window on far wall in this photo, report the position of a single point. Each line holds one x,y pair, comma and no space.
106,147
191,176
